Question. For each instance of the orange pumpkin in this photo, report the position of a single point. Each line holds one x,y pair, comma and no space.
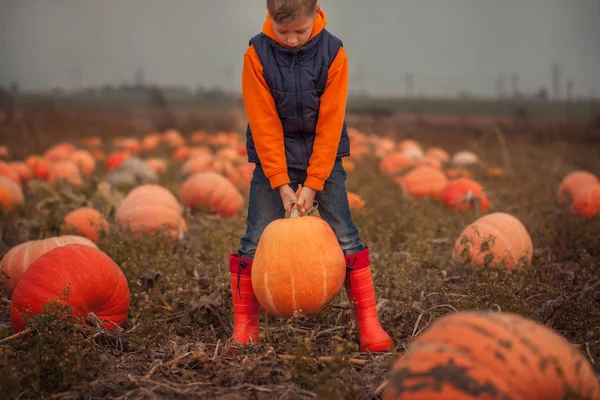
494,239
19,258
196,164
355,201
213,192
115,159
66,170
59,152
87,222
491,355
586,200
91,142
39,165
573,182
151,208
24,171
151,141
439,153
84,160
464,193
129,145
9,172
298,266
422,182
4,152
396,162
454,173
95,284
11,194
173,138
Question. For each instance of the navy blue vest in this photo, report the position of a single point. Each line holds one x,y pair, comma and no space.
297,79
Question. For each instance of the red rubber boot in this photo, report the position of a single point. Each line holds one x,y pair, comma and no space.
360,291
246,308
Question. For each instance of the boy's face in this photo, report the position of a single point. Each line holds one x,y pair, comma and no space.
296,32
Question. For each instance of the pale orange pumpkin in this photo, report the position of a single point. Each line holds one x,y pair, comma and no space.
24,171
11,194
64,170
411,148
59,152
213,192
173,138
151,141
85,221
422,182
9,172
19,258
493,240
84,160
151,208
196,164
4,151
298,266
396,162
429,161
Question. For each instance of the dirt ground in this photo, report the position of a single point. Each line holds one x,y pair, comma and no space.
175,343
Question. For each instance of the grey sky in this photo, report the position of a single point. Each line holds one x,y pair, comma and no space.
449,45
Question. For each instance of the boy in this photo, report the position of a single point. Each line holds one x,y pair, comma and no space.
294,83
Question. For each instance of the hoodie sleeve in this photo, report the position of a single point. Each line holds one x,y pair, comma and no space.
267,130
329,126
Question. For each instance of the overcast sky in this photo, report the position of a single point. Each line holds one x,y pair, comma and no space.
449,45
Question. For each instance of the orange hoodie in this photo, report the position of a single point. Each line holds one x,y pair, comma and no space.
267,129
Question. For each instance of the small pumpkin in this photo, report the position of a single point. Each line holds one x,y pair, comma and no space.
19,258
586,200
473,355
572,183
87,222
422,182
439,153
494,239
93,281
10,172
213,192
24,171
396,162
59,152
39,165
11,194
355,201
65,170
173,138
158,165
298,266
465,193
115,159
465,158
84,160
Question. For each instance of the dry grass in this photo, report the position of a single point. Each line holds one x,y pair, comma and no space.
175,344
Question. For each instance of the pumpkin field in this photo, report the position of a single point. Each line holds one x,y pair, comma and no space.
115,239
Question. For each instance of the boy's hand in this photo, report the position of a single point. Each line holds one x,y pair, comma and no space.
305,200
288,197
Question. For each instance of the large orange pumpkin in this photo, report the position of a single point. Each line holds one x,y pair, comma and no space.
465,193
492,240
422,182
213,192
93,281
298,266
151,208
572,183
11,194
19,258
87,222
490,355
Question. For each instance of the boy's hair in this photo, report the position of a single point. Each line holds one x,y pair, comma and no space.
285,10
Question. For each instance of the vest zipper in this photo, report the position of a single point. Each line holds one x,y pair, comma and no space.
298,93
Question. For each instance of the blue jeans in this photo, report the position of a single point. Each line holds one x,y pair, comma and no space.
265,206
